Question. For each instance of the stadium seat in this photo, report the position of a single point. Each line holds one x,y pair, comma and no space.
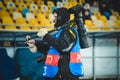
106,28
46,23
25,11
112,21
117,25
3,14
36,12
12,10
21,22
67,5
18,2
29,2
73,2
116,14
2,7
17,15
8,22
1,4
39,3
101,19
33,7
81,1
97,23
90,26
110,24
10,5
59,4
104,20
6,1
21,6
50,5
34,24
40,16
97,14
64,1
47,12
113,18
44,8
43,20
29,16
89,23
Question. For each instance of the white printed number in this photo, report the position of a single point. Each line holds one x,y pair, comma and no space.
45,68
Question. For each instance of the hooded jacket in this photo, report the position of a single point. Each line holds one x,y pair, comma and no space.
54,54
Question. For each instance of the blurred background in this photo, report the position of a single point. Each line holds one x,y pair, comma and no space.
101,60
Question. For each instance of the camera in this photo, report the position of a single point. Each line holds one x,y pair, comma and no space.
77,11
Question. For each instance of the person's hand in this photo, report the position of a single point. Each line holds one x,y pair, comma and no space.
30,42
42,32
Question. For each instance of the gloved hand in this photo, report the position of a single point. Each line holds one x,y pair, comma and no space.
42,32
31,42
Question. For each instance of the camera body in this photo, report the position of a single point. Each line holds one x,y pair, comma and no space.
77,11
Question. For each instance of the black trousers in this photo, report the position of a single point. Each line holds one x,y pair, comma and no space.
64,71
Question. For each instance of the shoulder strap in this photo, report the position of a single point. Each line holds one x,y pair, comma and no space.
72,32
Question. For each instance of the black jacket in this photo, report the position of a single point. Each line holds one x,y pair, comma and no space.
63,42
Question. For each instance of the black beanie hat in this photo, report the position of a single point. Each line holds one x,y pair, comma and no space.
63,16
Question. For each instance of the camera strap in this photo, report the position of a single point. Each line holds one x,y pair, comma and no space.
72,32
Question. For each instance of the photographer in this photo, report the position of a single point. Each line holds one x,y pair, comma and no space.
63,61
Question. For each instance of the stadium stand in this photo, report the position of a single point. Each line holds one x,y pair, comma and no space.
36,13
21,6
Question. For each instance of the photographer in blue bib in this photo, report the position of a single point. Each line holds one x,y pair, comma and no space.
63,61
